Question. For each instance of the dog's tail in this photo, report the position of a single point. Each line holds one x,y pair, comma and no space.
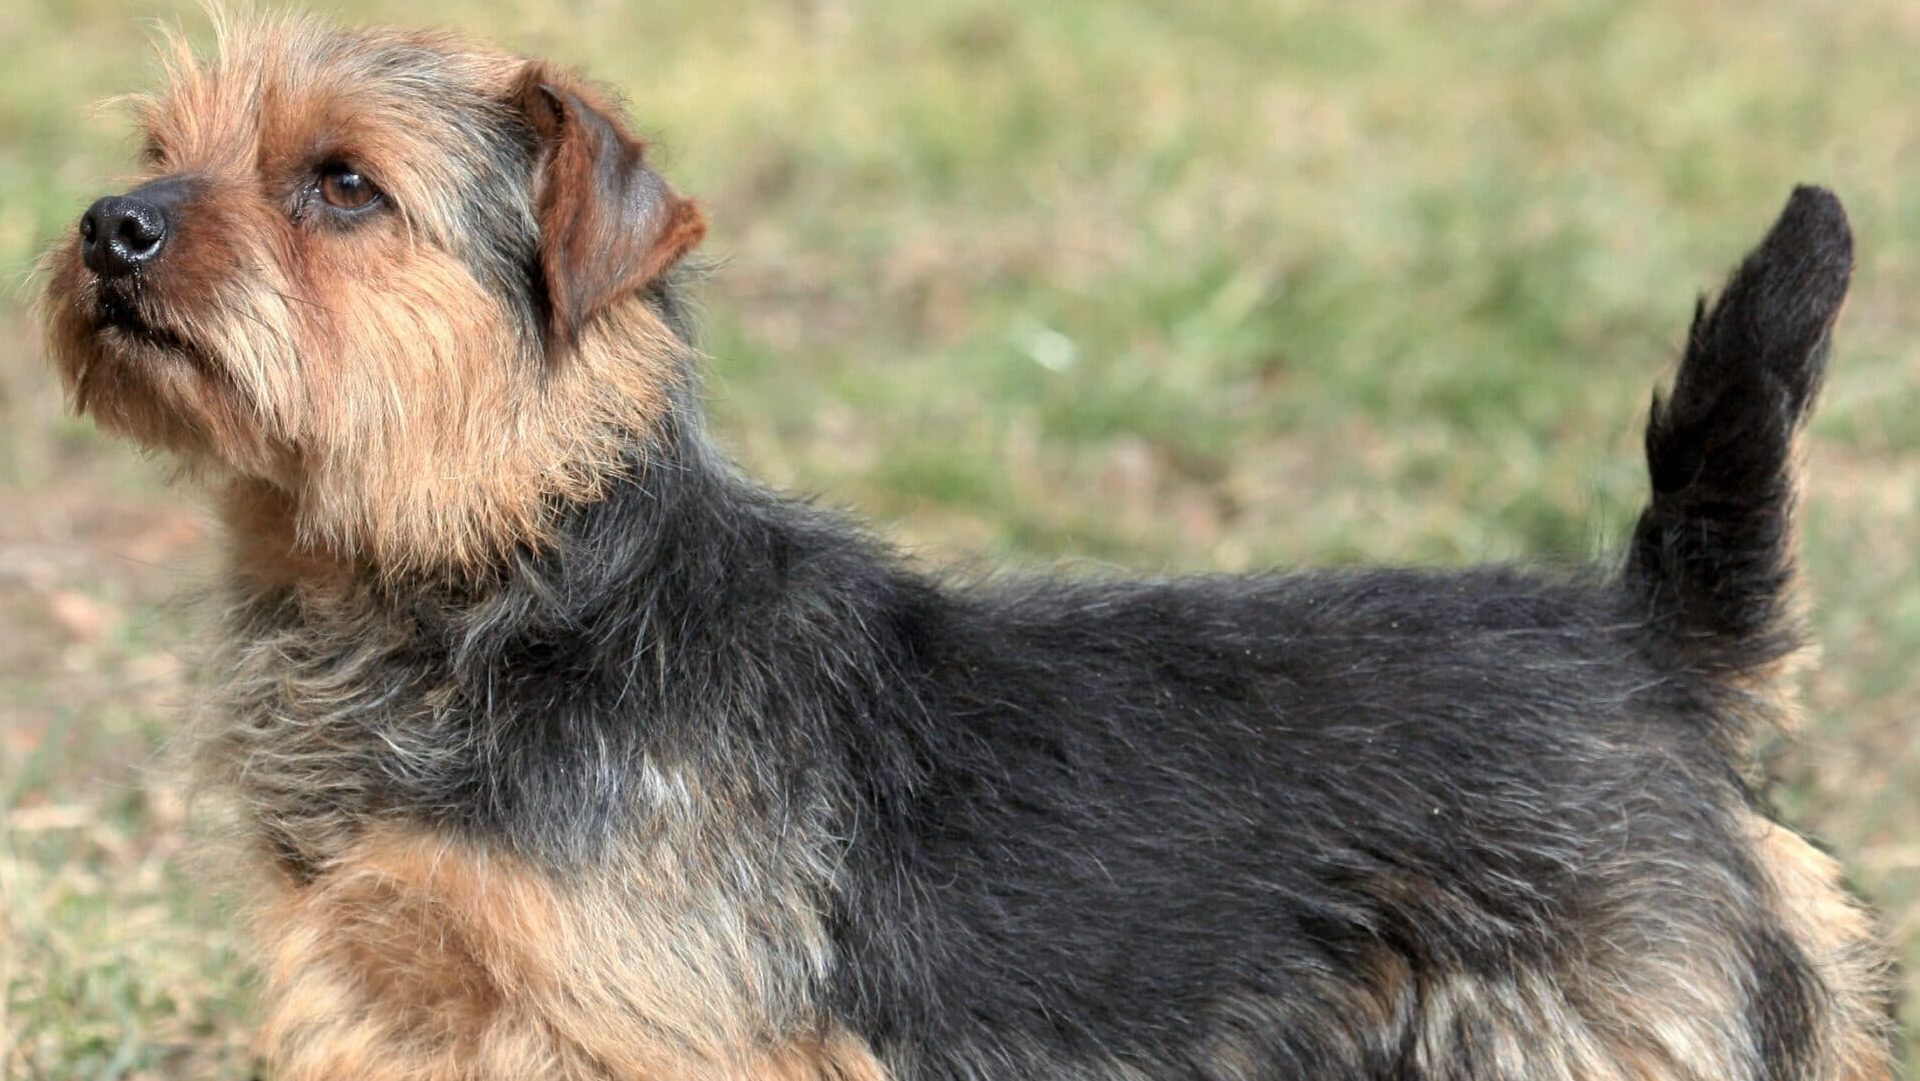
1713,556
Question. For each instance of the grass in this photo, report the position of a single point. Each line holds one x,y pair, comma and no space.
1228,285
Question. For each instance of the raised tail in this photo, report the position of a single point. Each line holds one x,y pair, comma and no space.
1713,555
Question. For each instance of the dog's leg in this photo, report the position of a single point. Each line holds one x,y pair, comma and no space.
417,957
369,978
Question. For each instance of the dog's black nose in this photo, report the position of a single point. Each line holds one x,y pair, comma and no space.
121,233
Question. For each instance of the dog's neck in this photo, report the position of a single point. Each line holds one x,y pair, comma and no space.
263,546
677,514
667,598
293,532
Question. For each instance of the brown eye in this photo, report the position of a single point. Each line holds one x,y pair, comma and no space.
345,189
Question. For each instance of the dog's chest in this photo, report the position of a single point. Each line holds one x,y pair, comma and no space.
317,725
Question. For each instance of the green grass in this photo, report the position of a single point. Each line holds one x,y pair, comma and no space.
1224,285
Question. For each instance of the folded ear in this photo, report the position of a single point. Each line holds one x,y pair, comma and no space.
609,225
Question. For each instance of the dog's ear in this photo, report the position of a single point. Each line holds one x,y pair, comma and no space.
609,225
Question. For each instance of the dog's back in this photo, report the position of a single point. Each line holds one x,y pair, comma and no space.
1472,825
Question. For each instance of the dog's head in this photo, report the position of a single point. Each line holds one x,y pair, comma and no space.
405,283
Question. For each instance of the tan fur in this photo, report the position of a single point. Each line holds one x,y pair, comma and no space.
366,375
1841,942
415,958
265,552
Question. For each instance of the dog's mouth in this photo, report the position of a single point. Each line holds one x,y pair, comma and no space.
129,349
120,317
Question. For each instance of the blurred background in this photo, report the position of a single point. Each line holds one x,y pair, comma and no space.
1214,285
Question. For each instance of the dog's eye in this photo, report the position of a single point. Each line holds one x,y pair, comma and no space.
345,189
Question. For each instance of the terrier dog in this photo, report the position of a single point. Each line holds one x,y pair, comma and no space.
566,752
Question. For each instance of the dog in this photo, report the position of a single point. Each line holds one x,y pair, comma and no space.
565,751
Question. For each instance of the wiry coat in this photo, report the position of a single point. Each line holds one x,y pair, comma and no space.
1366,824
703,782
